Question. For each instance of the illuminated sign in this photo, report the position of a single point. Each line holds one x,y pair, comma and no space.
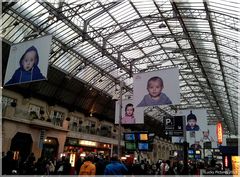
87,143
72,159
219,132
226,161
236,165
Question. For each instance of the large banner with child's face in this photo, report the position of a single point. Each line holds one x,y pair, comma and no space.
196,123
28,61
130,114
156,88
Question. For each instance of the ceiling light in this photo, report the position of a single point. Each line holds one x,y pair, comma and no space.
16,23
162,25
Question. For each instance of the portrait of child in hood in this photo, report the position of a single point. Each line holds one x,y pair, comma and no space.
28,70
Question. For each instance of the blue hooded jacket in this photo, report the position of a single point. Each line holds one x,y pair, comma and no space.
21,75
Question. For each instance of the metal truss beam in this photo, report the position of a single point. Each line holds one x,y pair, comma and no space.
79,31
180,15
220,64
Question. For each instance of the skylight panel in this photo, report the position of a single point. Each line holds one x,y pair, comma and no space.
123,12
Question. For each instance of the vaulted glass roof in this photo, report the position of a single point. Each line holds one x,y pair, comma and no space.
102,43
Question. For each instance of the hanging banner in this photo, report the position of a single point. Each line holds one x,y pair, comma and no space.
156,88
196,123
130,114
28,61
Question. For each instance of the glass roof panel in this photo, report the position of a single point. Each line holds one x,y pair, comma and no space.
137,30
123,12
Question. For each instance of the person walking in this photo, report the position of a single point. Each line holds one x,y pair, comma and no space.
88,168
115,167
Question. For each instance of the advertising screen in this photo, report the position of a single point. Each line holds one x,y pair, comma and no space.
130,146
143,136
129,136
190,151
197,152
143,146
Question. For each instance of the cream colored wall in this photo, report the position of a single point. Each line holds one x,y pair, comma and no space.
161,149
10,128
23,103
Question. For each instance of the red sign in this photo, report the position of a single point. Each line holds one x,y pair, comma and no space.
219,132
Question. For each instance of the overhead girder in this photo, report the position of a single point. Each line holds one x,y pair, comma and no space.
177,11
68,50
150,41
219,18
220,63
163,58
229,71
104,10
149,29
78,30
168,16
130,74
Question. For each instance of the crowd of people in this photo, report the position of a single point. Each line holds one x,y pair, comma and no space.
94,165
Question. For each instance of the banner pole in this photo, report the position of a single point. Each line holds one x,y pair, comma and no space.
119,123
185,147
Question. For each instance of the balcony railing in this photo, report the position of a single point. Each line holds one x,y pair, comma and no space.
23,113
92,130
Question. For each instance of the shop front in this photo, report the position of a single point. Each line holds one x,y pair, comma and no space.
75,149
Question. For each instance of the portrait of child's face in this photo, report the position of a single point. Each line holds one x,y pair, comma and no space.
29,60
155,88
129,111
192,122
205,133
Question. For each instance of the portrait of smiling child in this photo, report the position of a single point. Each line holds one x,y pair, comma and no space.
28,70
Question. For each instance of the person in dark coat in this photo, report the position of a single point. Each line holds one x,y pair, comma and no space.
8,164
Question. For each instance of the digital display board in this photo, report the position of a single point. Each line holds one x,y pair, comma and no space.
129,136
190,151
143,136
130,146
197,152
143,146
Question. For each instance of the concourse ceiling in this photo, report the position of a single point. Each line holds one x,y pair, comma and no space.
100,43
